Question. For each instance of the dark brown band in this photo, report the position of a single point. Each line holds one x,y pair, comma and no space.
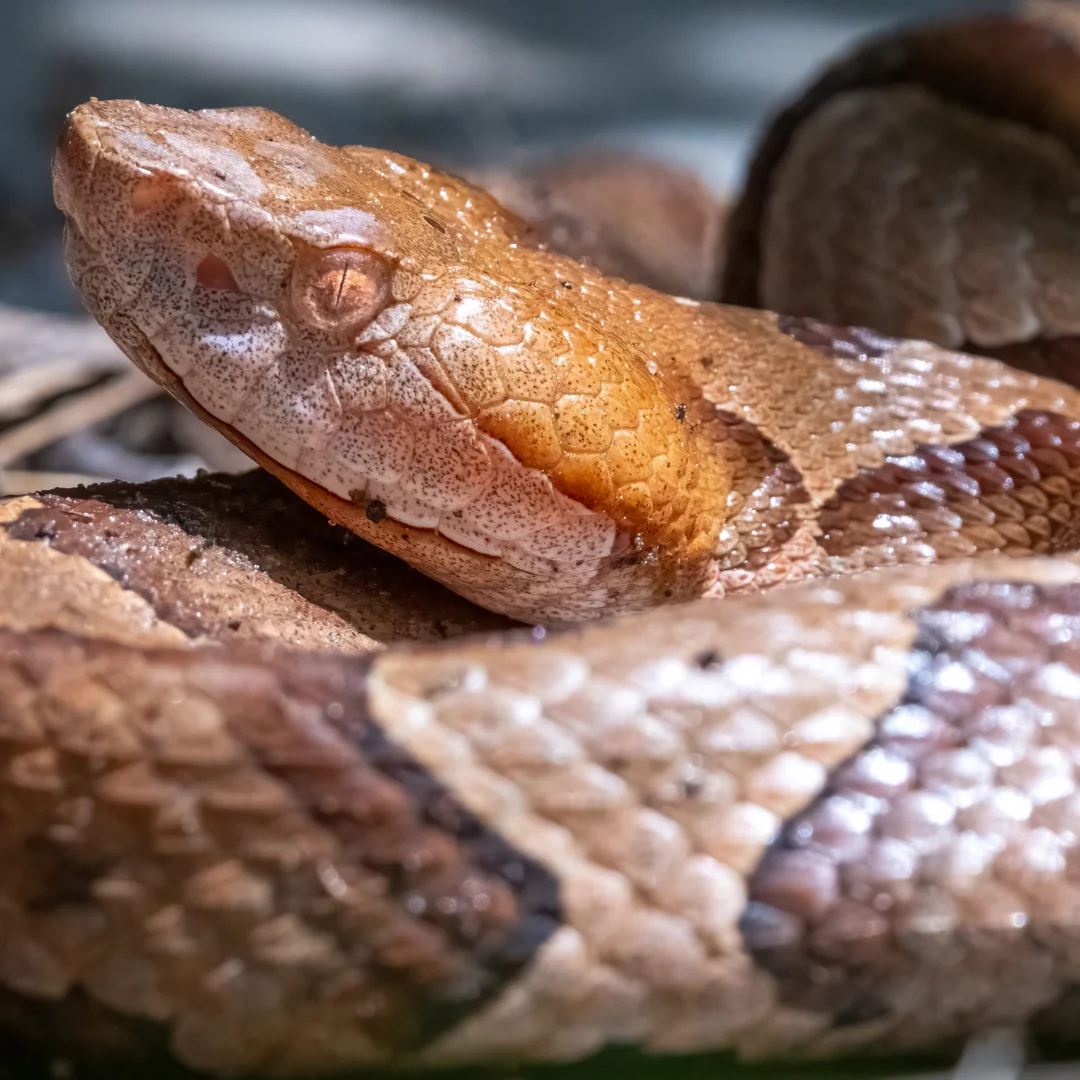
298,807
1012,489
853,908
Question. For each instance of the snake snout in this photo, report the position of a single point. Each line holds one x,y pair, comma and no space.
72,165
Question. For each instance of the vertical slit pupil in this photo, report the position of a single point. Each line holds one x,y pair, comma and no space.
342,282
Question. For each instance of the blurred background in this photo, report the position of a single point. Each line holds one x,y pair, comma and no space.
465,84
457,82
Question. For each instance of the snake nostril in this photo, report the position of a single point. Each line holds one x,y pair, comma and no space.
214,273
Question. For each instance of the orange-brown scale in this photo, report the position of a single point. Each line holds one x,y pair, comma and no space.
601,426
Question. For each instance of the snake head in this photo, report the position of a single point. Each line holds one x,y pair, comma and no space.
232,251
394,345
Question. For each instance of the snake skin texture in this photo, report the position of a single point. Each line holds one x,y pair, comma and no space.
927,185
833,816
292,862
550,443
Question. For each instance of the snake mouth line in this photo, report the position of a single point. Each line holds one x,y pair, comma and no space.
344,512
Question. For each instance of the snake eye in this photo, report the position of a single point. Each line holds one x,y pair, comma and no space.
341,288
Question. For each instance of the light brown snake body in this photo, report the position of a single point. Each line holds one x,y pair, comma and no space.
839,815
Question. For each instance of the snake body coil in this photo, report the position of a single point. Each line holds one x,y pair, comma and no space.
842,814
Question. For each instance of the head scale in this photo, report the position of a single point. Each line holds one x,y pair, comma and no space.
359,325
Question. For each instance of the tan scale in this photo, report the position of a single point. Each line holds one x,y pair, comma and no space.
211,890
927,183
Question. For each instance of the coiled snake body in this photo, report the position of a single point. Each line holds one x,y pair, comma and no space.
837,815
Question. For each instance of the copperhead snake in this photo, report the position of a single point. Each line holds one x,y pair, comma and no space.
824,798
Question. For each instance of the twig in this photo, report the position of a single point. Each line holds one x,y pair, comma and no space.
74,415
31,338
25,389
